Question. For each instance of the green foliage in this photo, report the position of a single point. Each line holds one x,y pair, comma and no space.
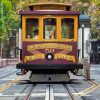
10,18
94,29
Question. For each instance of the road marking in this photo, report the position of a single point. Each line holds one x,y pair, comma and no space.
10,83
47,93
61,94
94,86
38,94
16,94
7,85
19,94
51,93
89,91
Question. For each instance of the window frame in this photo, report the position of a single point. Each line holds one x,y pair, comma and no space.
58,28
50,16
24,28
75,28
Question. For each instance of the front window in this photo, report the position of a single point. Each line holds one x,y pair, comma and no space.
67,30
32,27
49,28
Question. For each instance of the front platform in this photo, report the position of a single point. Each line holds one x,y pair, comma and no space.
51,78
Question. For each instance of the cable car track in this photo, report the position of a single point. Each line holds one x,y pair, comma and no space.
47,91
9,74
49,94
67,90
7,77
28,94
6,72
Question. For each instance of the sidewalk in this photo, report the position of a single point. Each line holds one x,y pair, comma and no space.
5,62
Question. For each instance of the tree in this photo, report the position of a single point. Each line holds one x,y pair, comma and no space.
9,19
5,11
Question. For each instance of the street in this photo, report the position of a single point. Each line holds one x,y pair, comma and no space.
17,87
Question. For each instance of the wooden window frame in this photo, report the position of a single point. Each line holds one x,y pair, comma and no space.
24,28
58,28
75,28
50,16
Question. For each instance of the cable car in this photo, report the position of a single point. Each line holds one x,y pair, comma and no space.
48,42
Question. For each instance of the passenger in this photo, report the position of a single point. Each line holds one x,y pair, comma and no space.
49,32
29,31
35,34
65,30
52,35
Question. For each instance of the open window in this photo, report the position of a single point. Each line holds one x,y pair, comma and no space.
32,28
67,28
63,28
50,25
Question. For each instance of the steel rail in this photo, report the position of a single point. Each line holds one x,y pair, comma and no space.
22,91
9,74
2,70
28,96
68,92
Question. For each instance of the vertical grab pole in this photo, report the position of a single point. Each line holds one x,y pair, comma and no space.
20,44
20,41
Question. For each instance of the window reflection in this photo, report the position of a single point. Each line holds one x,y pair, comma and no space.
49,28
67,25
32,27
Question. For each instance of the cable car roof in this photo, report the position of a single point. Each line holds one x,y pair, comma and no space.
49,6
49,9
22,12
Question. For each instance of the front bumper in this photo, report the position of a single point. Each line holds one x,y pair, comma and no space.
61,68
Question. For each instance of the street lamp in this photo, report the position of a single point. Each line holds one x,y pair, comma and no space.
84,33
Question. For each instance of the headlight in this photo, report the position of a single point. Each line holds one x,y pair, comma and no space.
49,56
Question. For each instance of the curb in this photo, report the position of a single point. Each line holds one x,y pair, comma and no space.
6,62
73,94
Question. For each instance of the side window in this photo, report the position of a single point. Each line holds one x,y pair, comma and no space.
32,28
67,30
49,28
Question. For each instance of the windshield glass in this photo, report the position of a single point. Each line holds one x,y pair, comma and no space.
32,27
50,28
67,25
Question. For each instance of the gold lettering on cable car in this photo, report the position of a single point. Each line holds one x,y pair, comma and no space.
49,47
49,50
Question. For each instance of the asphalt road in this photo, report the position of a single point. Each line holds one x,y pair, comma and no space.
95,72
